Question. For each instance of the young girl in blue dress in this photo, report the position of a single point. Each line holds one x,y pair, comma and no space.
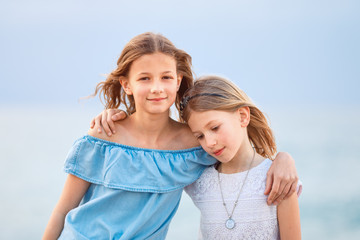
128,186
230,194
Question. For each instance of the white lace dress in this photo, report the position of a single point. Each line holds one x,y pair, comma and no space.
254,219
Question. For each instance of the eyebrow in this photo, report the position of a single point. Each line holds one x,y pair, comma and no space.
209,123
150,73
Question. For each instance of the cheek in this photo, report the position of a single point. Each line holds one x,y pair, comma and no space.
226,136
202,143
172,88
172,93
140,89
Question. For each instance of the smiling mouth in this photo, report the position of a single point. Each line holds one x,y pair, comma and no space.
218,152
156,99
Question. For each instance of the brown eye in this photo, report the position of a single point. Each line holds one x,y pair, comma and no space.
167,77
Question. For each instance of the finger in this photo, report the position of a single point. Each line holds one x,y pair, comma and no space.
105,124
98,124
292,189
121,115
92,123
269,183
110,123
274,192
284,193
113,113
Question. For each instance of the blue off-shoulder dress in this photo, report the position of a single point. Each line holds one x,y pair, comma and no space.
134,192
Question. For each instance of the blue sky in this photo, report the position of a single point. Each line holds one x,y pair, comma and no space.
279,52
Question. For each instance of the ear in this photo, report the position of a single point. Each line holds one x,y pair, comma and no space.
124,81
244,113
179,79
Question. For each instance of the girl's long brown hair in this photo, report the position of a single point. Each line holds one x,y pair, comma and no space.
146,43
216,93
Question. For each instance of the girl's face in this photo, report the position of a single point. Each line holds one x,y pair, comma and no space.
220,133
153,82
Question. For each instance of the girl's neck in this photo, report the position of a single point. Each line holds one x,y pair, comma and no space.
150,128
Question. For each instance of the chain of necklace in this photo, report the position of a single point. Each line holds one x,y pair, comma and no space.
230,223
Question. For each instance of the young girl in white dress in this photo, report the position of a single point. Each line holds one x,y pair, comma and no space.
230,194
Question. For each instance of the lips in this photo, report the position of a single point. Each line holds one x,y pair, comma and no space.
219,152
156,99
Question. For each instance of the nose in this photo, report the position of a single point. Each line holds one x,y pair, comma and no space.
210,141
157,87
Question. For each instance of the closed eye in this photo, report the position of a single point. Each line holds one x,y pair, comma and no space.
215,128
199,137
144,78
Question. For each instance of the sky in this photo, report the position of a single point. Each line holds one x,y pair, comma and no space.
294,53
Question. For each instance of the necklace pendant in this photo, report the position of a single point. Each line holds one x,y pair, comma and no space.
230,223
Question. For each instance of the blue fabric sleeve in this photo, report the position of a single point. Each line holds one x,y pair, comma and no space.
135,169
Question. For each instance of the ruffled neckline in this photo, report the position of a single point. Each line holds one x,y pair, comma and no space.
115,144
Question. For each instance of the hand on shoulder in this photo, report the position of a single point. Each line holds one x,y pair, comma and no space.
95,133
105,121
120,135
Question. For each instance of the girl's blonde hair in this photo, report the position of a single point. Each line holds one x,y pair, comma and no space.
216,93
143,44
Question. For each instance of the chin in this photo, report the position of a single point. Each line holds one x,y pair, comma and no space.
222,160
158,111
226,161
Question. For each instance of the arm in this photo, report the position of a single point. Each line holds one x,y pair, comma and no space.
106,120
282,178
289,218
70,198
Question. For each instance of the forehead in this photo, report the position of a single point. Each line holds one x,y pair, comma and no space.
202,120
153,62
199,120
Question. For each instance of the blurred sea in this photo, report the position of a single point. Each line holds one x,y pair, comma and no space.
325,143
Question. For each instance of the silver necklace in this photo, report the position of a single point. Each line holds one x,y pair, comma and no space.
230,223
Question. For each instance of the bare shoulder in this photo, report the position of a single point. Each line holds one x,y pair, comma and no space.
184,136
119,128
94,133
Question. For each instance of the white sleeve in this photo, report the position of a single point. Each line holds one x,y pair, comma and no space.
299,188
200,237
